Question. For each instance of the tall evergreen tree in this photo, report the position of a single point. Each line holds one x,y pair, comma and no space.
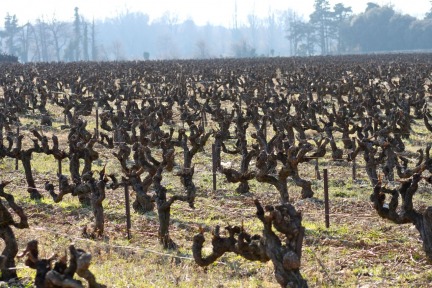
10,33
429,13
93,42
77,35
321,19
85,42
340,15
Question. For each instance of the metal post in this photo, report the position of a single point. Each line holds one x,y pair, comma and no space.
128,220
326,200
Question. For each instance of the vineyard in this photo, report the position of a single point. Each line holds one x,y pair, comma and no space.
214,173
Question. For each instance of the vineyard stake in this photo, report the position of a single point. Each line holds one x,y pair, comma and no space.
97,120
354,172
59,161
317,173
214,166
1,134
128,220
16,159
354,167
218,156
326,200
114,133
203,118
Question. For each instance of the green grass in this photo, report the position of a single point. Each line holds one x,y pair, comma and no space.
358,249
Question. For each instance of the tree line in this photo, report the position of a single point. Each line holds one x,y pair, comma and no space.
336,30
49,40
132,36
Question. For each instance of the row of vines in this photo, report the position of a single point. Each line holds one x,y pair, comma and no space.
156,120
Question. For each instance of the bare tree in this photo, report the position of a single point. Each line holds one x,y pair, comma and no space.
253,23
44,39
59,33
202,49
85,41
117,50
25,38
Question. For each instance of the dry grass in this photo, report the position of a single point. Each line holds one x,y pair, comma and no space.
359,249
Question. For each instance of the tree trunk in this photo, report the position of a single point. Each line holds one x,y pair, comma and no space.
243,187
186,178
10,251
143,203
306,186
26,162
163,232
424,226
282,187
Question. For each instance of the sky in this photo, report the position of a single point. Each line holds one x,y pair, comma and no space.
216,12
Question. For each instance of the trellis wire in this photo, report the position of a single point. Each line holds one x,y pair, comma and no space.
98,243
215,168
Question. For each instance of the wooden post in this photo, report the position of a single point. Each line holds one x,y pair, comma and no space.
218,156
114,133
214,160
16,159
1,134
354,170
317,173
59,169
128,220
203,118
97,120
354,167
326,200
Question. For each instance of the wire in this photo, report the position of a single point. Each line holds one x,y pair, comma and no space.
118,246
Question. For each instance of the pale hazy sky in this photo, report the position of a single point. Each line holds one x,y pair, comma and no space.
201,11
